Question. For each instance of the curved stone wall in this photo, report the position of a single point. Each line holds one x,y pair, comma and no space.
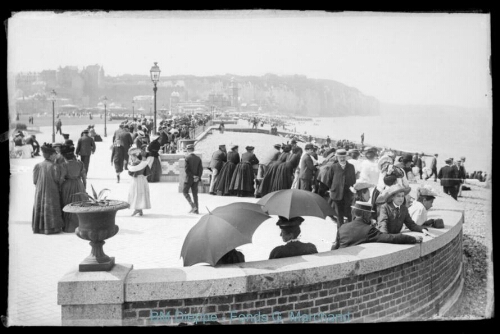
365,283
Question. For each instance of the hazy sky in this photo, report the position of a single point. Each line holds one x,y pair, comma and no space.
406,58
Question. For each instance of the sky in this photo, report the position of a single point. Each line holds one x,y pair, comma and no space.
400,58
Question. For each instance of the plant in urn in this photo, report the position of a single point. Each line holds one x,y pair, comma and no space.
96,223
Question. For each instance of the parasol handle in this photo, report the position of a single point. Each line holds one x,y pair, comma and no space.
208,210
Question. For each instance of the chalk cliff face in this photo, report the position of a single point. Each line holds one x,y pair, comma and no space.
293,94
287,94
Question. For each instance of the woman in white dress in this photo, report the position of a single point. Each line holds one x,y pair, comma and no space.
139,168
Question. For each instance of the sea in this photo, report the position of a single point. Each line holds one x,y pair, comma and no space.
450,132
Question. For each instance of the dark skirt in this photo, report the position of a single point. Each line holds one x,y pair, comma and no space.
118,158
224,179
283,178
267,182
68,189
242,180
155,171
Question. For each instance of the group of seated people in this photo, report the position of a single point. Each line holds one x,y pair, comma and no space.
24,146
395,216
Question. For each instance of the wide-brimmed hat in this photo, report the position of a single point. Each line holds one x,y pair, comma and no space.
394,189
54,145
341,153
292,222
234,147
141,133
384,162
360,185
134,151
426,191
363,206
190,147
249,148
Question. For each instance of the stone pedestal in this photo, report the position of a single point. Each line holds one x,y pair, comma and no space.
93,298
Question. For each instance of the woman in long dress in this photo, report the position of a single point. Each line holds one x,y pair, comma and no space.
285,171
242,182
153,151
117,158
74,180
139,168
226,174
267,182
47,213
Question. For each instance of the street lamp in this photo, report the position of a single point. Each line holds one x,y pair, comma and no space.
133,109
105,116
155,77
53,98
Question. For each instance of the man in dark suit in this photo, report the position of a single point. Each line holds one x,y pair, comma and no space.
85,148
307,169
219,157
460,171
126,141
342,176
449,179
194,171
361,231
433,167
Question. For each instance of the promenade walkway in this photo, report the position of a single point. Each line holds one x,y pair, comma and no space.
37,262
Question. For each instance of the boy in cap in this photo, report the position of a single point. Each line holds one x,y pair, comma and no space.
290,230
419,208
194,170
361,231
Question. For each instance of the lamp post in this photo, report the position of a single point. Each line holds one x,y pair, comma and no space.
155,77
53,98
105,116
133,109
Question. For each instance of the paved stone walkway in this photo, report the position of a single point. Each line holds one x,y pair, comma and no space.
37,261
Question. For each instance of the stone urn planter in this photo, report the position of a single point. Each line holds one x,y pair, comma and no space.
96,223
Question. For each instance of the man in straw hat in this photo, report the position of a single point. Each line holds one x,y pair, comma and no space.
418,210
290,230
393,214
194,170
360,230
449,178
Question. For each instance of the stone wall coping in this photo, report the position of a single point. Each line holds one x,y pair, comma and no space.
204,281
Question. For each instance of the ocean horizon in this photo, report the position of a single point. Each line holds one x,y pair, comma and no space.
451,132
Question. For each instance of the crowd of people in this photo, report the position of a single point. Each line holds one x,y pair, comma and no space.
372,194
371,197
